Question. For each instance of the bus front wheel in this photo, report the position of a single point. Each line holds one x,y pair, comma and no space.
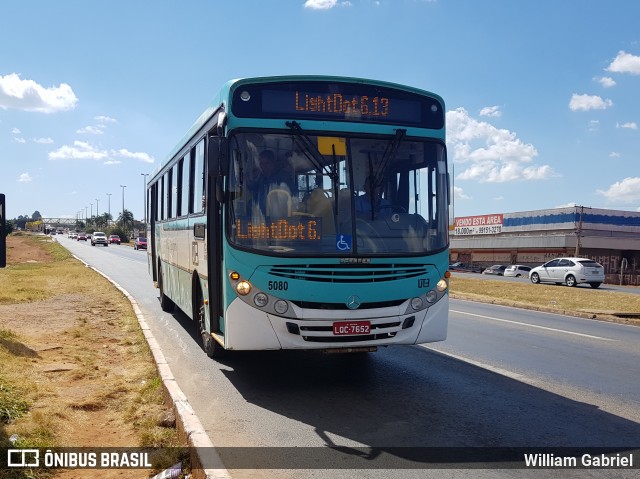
209,345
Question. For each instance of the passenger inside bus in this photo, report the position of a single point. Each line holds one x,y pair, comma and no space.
272,178
372,199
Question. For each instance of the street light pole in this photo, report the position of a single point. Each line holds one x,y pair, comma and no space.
109,197
97,203
144,198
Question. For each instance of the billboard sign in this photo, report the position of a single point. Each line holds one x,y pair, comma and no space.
478,225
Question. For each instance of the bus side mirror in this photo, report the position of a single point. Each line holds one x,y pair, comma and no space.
217,156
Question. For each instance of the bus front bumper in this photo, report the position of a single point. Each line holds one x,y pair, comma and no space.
248,328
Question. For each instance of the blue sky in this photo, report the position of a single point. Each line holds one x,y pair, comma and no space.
542,97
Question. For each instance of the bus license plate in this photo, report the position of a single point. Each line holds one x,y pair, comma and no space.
351,327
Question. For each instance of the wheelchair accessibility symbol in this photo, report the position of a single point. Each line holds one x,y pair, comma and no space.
343,242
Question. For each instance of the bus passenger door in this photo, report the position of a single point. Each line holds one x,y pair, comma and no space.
214,245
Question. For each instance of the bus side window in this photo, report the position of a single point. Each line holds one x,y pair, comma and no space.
186,175
198,177
163,193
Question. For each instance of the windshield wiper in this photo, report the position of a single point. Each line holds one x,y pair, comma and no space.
310,150
317,160
389,154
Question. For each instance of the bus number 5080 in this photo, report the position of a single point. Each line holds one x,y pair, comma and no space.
278,285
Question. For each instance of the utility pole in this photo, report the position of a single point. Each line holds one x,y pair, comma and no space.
123,187
579,233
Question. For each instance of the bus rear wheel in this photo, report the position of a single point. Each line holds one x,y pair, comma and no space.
165,302
209,345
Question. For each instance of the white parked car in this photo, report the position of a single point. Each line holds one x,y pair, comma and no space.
570,271
517,270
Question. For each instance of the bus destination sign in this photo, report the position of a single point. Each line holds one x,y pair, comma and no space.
285,229
335,101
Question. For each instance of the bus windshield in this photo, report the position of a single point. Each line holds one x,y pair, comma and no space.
309,194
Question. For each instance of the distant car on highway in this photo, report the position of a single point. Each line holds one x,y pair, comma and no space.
497,269
517,270
570,271
81,237
98,237
140,243
114,239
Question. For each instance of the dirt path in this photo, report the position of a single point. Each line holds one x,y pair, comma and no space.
90,377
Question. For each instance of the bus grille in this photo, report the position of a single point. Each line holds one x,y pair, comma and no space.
329,273
343,306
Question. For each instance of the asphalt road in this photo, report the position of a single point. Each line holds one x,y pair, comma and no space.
505,378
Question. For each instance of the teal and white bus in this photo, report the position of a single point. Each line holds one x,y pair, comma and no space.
306,212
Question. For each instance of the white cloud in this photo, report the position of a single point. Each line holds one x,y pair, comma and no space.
92,130
79,151
459,193
614,154
593,125
43,141
27,95
15,131
606,82
631,125
625,191
491,111
24,178
625,63
494,155
325,4
18,139
105,119
137,156
85,151
588,102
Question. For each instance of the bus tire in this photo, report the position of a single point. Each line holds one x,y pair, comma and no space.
165,302
209,345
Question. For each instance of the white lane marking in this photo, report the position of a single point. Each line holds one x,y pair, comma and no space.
503,372
534,326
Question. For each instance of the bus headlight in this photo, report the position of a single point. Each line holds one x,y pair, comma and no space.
442,285
432,296
260,300
416,303
243,288
281,306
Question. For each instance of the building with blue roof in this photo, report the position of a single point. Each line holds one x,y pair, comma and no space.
610,237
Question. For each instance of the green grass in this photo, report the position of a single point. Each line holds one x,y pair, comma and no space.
31,407
12,405
31,282
543,296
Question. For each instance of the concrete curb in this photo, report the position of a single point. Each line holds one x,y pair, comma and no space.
187,423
